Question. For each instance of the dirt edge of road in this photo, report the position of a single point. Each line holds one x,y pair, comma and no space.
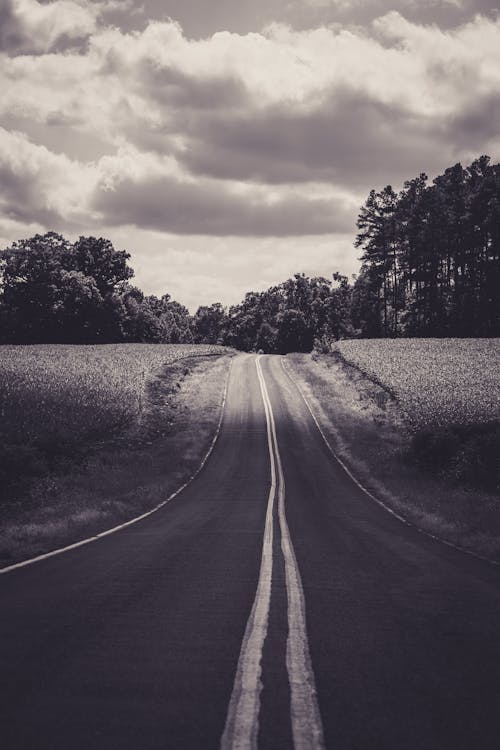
129,474
365,428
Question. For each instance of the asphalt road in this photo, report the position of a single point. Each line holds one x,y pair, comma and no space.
272,604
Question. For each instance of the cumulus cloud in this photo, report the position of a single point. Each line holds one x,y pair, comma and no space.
279,133
30,27
349,4
339,142
130,188
279,106
319,105
157,196
40,186
446,13
272,107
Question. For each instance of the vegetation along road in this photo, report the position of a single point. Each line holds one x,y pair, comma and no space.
270,604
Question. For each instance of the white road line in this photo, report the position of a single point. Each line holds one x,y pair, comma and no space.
369,494
242,722
94,538
305,716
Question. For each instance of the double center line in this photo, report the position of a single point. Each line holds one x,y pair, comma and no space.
242,722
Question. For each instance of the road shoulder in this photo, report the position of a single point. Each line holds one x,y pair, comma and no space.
368,433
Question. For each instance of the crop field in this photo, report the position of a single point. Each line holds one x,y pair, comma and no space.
58,392
437,382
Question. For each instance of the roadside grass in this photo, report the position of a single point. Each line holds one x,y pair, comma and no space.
106,482
461,454
369,432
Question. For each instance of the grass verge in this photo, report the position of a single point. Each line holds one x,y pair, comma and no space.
367,430
105,483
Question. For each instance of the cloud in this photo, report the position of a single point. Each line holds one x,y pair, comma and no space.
232,161
39,186
30,27
10,230
329,105
179,206
196,270
340,142
359,13
152,193
277,133
378,4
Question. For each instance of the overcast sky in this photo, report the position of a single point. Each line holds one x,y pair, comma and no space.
229,144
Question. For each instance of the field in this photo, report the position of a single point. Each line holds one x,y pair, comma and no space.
91,436
59,393
437,382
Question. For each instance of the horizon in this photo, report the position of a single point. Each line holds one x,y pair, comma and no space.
227,148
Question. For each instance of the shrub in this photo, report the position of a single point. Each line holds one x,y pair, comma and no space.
466,454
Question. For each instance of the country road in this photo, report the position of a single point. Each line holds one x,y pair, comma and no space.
270,605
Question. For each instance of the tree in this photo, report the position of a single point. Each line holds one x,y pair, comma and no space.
79,308
32,286
266,340
98,259
431,256
377,237
154,320
338,322
209,323
291,315
294,335
53,291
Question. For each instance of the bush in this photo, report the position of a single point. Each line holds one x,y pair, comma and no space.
435,449
464,454
18,463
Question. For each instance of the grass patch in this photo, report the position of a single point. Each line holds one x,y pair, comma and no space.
441,479
462,454
59,493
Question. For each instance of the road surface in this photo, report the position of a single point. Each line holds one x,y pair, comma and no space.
271,605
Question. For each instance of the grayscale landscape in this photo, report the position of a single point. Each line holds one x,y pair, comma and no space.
249,375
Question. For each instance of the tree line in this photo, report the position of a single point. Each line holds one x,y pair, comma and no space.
431,256
291,316
55,291
430,266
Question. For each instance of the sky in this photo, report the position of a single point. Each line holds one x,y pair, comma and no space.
227,145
